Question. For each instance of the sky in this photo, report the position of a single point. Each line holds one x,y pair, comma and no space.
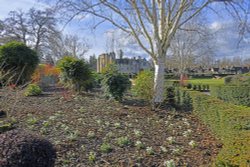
225,41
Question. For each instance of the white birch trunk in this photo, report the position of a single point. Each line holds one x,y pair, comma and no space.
158,96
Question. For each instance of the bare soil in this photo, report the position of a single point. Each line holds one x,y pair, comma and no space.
79,124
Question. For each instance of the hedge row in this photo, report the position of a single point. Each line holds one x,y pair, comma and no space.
231,125
239,95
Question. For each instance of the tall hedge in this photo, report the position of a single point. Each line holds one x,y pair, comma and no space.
230,123
239,95
19,60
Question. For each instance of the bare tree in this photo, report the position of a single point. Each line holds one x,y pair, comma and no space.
152,23
32,28
42,24
75,46
15,27
190,47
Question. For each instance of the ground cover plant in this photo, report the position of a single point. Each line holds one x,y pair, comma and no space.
91,131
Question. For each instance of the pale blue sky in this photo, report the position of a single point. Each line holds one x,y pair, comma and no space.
225,40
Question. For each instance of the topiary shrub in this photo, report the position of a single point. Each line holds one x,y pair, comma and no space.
189,86
75,73
170,96
20,59
114,83
194,87
143,85
21,149
33,90
186,101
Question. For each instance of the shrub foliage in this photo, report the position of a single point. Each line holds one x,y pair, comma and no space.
230,123
33,90
114,83
239,95
75,73
17,57
143,85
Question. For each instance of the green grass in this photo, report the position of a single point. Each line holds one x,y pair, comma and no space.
210,82
202,81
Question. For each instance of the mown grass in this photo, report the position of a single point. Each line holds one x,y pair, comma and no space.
211,82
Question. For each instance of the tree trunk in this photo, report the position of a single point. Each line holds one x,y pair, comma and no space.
158,96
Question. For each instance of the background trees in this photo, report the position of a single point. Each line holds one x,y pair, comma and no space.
39,30
153,24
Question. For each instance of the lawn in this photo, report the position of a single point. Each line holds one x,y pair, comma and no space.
211,82
88,130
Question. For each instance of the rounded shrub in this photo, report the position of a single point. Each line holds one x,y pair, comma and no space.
114,83
33,90
75,73
19,60
21,149
144,84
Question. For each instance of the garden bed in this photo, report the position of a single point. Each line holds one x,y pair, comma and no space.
88,130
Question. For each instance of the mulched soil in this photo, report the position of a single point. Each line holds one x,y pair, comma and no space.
79,124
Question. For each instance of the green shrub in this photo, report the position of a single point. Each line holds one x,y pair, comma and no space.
186,101
239,80
189,86
199,88
144,84
114,83
75,73
229,122
20,59
228,79
170,96
178,98
33,90
203,88
239,95
194,87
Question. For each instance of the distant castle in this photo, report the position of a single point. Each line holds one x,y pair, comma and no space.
129,66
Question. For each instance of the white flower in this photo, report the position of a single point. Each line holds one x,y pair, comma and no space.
138,133
192,143
170,139
163,149
150,150
169,163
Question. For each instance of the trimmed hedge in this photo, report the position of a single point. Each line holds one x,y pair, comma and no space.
230,123
239,95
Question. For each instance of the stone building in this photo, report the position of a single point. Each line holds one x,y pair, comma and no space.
129,66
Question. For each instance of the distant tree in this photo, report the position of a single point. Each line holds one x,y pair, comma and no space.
75,46
33,28
16,26
42,25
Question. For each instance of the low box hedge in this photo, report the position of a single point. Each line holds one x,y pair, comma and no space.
239,95
230,123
